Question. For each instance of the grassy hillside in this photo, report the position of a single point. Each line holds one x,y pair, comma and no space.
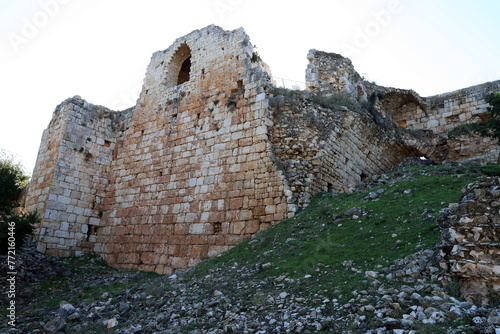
371,228
334,267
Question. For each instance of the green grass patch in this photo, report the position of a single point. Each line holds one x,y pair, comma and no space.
491,170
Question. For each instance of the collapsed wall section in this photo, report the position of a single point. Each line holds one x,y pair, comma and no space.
442,114
439,113
329,148
330,74
463,106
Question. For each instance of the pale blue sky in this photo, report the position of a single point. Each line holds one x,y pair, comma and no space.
99,49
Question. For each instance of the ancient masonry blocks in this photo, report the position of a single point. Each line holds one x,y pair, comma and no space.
204,161
181,177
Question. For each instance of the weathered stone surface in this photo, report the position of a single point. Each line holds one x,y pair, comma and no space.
180,177
470,252
55,325
332,74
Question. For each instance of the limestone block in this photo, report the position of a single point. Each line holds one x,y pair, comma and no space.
179,262
200,228
216,250
261,130
64,226
246,215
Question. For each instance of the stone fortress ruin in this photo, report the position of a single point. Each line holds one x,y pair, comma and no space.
213,152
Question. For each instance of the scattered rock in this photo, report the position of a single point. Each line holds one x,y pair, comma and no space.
494,318
55,325
266,265
113,322
65,309
124,308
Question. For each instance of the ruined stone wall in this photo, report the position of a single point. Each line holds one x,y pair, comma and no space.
445,111
192,176
473,148
71,176
470,252
329,149
211,154
358,150
330,74
183,176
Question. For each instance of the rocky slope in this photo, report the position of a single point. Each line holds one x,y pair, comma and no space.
227,295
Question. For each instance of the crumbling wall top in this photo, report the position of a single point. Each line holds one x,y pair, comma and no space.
330,73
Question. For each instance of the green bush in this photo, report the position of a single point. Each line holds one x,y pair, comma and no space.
12,182
13,223
465,129
491,125
491,170
334,100
16,225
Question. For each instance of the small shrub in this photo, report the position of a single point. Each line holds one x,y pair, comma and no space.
492,170
259,299
335,100
284,96
12,182
464,129
255,57
491,125
23,225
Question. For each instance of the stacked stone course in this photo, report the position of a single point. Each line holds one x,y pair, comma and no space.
211,154
331,74
459,107
470,252
72,175
325,150
186,176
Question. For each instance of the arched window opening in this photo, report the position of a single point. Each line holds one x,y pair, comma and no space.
178,69
184,72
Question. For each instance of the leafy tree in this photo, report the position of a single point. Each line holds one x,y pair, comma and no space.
12,182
